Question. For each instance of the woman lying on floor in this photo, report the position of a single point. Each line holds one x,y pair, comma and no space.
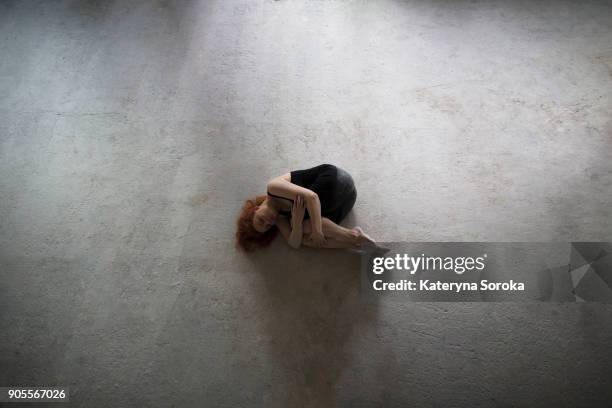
306,206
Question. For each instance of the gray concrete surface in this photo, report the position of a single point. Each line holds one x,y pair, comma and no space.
130,133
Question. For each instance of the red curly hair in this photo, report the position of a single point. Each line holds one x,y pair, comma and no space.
247,237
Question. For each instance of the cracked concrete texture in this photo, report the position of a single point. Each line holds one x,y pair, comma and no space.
130,132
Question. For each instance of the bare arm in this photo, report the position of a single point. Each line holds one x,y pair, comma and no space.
293,236
281,186
314,209
293,232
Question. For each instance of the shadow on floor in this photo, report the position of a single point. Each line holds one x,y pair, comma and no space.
316,310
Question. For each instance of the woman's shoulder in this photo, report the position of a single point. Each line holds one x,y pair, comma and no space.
280,179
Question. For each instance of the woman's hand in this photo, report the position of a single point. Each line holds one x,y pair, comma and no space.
297,211
317,239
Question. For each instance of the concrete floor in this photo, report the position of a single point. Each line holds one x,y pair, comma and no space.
130,133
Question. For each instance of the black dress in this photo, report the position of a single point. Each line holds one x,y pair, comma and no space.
334,186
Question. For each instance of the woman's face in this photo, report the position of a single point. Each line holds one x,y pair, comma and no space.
264,218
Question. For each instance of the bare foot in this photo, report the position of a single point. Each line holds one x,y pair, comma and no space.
368,243
363,238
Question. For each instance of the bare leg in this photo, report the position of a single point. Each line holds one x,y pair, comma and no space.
350,238
333,231
339,233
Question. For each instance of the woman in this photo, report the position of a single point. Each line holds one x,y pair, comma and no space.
306,206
